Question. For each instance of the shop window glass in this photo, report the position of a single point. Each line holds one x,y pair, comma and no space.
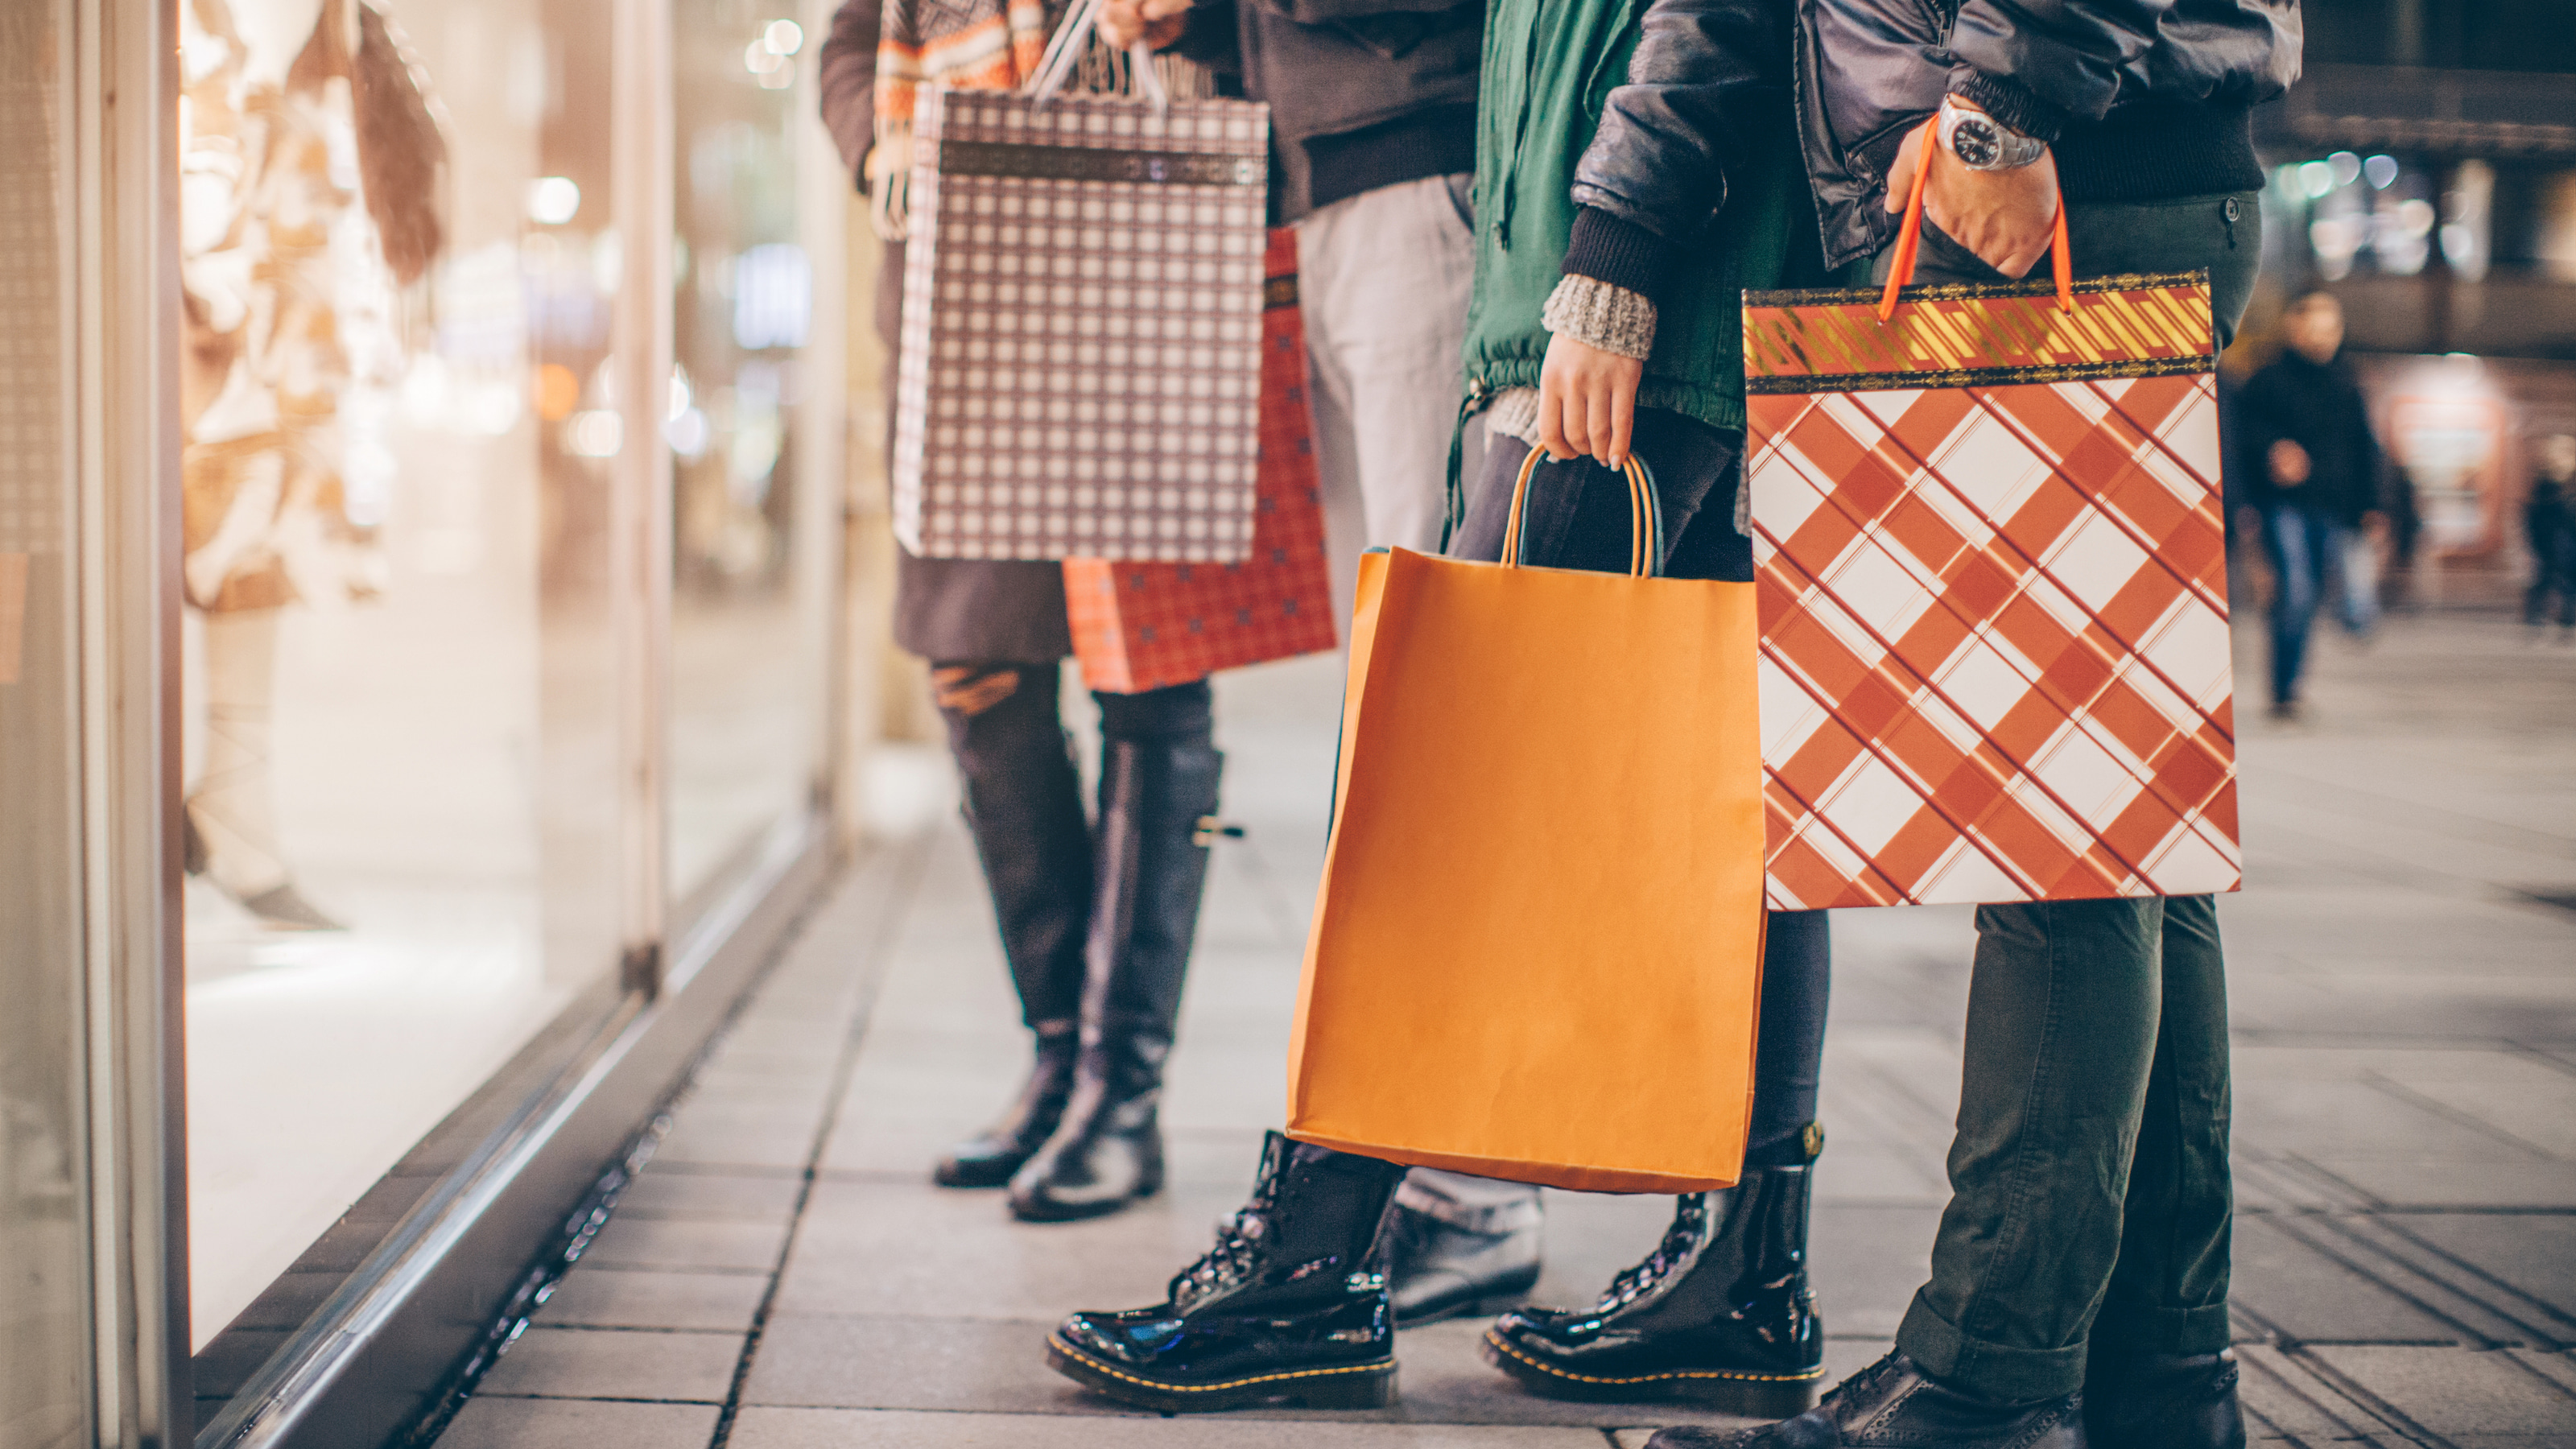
398,265
747,676
44,1264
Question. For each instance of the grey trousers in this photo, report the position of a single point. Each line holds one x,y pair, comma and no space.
1382,284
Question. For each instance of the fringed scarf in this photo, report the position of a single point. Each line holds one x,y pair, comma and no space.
968,44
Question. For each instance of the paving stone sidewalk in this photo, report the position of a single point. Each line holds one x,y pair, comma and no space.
2404,976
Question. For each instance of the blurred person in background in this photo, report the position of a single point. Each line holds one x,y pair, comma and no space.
2309,427
2549,525
1097,914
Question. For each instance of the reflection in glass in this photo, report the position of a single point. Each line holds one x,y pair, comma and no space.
44,1387
389,537
747,677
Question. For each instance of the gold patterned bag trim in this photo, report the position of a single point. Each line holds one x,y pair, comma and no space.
1978,335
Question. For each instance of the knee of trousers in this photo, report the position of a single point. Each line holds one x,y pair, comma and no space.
1175,714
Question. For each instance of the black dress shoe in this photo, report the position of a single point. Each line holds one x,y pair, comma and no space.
2162,1401
1289,1306
1435,1270
1720,1313
1892,1403
990,1157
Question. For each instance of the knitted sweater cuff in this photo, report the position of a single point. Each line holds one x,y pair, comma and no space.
1598,314
1610,248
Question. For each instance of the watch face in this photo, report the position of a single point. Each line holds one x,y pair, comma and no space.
1975,142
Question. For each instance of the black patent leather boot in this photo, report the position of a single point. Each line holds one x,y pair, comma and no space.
990,1157
1157,818
1893,1404
1290,1306
1721,1312
2162,1400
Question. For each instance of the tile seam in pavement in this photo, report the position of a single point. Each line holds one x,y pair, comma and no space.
2341,1254
911,864
591,1398
711,1272
2361,1396
2348,1228
2335,1408
2457,1118
2480,828
2563,1323
626,1328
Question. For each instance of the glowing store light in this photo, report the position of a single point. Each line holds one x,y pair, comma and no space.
688,434
2316,178
553,200
783,37
2345,166
597,433
2380,172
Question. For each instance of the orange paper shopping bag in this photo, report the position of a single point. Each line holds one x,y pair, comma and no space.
1536,952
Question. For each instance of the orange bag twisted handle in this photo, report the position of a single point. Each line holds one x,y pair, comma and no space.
1645,516
1909,235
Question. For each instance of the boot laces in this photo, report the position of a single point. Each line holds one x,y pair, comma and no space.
1668,1254
1238,1247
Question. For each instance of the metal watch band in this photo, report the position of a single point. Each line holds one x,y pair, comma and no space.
1983,143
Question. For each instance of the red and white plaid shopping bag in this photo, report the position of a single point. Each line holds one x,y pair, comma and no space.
1139,626
1992,582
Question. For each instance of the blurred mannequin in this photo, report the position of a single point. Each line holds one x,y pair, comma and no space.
308,161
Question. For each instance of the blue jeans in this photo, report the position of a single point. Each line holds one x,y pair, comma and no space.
2307,553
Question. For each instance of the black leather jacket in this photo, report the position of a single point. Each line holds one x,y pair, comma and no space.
2143,98
1708,83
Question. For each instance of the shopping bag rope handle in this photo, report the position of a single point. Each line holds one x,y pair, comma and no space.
1064,53
1645,517
1909,234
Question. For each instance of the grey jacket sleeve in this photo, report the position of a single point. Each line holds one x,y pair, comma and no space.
1710,78
849,80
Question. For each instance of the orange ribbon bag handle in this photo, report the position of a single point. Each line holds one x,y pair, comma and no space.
1909,234
1645,516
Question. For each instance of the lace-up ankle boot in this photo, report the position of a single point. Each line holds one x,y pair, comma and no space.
1157,819
1289,1306
1893,1404
1720,1312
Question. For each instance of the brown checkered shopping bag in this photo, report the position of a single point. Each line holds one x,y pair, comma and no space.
1139,626
1992,584
1081,347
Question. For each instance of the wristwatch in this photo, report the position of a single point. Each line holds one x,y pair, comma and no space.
1984,144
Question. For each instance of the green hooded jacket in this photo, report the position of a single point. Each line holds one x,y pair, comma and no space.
1549,69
